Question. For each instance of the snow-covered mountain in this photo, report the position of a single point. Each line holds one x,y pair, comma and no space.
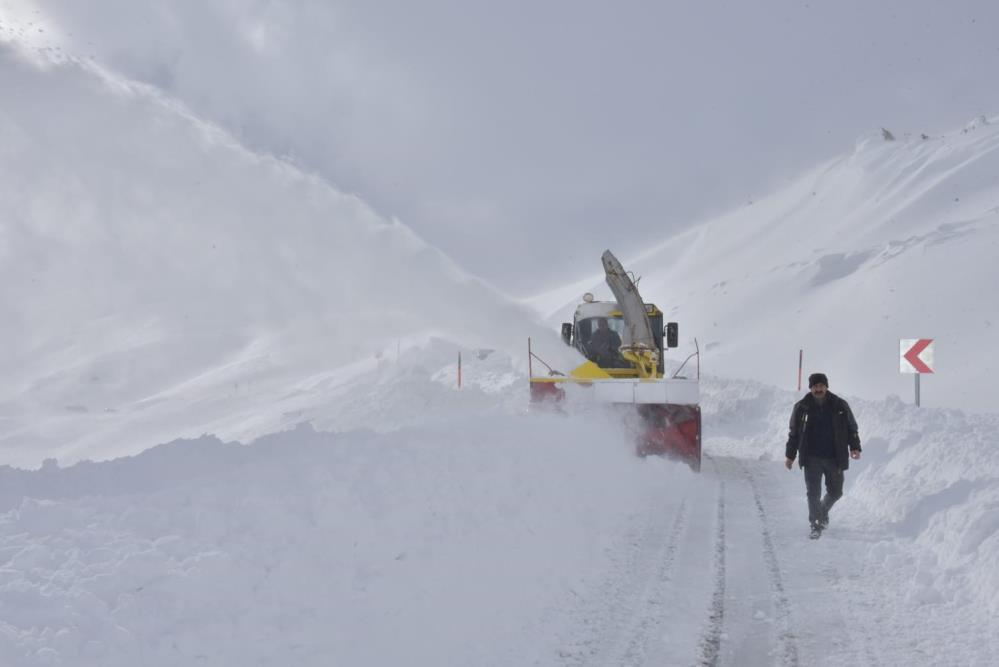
894,240
158,280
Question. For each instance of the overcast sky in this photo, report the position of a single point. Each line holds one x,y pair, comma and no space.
524,138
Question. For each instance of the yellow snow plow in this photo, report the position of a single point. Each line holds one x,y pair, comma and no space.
624,342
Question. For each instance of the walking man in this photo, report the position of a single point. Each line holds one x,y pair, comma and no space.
823,437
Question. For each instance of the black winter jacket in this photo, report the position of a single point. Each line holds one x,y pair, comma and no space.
845,434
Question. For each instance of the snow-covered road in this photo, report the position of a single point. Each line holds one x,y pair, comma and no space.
699,581
720,572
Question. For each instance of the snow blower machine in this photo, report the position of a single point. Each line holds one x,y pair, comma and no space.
624,342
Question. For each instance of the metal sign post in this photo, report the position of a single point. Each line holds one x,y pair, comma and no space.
915,355
801,359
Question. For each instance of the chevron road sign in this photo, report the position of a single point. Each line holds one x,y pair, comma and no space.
915,355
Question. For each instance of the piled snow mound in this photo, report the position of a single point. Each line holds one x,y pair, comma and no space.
157,280
895,240
932,475
307,548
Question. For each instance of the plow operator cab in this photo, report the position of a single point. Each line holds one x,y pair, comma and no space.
598,328
625,344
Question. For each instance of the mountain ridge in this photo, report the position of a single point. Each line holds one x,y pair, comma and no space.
877,245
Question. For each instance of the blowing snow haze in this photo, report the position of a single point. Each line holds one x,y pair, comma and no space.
523,139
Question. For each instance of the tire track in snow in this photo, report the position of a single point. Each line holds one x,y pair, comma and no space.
637,603
653,609
710,644
785,634
863,650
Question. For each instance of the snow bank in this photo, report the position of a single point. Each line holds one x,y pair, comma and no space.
437,545
933,476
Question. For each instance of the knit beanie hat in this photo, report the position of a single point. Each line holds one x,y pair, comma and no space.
817,378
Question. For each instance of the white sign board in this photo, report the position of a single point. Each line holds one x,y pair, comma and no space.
915,355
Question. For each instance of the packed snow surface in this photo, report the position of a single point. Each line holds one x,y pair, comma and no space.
325,493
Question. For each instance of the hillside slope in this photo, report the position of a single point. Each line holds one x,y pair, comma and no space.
895,240
157,280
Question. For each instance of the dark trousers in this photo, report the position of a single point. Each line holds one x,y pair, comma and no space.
814,471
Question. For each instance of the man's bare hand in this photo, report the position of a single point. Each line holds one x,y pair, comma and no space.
854,453
788,463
